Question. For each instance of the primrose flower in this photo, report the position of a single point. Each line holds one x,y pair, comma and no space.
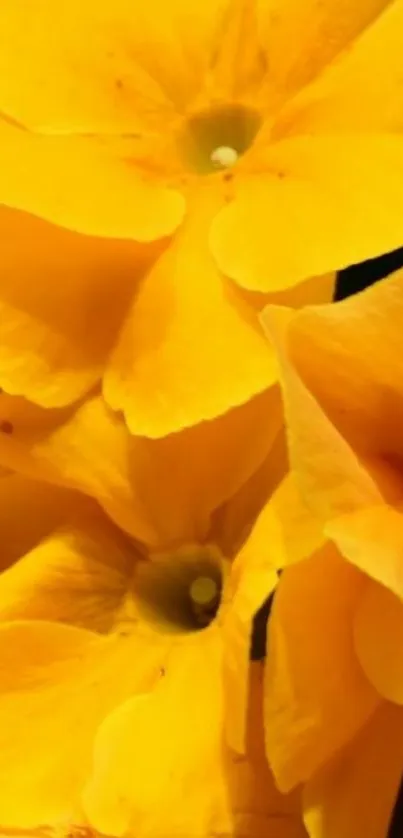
125,676
165,167
334,675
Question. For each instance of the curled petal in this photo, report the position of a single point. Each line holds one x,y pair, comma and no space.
311,664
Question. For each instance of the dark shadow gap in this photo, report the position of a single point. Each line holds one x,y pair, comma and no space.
396,825
357,277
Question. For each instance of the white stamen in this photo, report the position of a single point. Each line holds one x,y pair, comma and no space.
224,156
204,591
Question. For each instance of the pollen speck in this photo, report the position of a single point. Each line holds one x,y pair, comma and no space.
224,156
204,590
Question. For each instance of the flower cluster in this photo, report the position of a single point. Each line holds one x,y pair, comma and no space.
198,448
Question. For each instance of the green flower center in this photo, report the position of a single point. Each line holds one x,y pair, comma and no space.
179,594
215,139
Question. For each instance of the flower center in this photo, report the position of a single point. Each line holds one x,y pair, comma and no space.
179,593
204,594
224,156
215,139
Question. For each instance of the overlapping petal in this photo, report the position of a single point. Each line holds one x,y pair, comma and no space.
355,793
253,579
55,287
224,794
353,400
160,491
191,349
87,184
56,684
288,526
349,357
42,509
302,38
103,68
259,807
329,105
234,521
77,574
378,633
119,68
320,203
372,539
330,475
147,754
312,666
165,360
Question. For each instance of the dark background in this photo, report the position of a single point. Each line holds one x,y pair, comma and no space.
358,277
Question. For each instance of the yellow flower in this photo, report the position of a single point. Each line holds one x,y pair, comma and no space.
124,677
334,676
160,162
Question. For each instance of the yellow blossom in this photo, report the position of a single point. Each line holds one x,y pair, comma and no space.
123,691
163,161
334,677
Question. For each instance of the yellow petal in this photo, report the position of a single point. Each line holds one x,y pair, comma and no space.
316,290
42,509
355,794
141,483
330,104
348,355
232,522
253,578
378,636
191,348
329,474
85,184
158,774
260,810
312,666
238,69
292,531
57,684
55,287
302,38
155,770
372,539
77,575
121,67
315,205
219,455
